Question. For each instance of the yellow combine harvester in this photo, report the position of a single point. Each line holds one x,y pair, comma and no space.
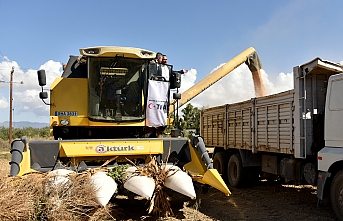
99,114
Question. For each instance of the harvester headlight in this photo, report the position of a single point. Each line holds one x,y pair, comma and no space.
64,122
91,51
146,53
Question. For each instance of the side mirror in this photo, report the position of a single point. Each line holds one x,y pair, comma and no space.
175,80
43,95
41,78
42,82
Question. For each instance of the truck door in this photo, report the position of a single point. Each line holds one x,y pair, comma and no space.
334,112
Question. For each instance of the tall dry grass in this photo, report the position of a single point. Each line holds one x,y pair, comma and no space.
32,197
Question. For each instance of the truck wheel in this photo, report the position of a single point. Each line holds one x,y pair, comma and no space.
336,195
236,173
220,163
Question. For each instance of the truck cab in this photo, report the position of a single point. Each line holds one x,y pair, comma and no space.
330,158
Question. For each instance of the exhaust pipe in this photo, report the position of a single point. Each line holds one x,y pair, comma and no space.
17,148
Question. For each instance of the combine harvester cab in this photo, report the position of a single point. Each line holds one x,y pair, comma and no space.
98,118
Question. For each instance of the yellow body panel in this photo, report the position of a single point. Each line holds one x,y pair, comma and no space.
213,178
120,147
196,166
78,102
25,164
199,172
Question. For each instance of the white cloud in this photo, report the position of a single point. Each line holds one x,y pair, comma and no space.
3,103
29,102
188,79
26,95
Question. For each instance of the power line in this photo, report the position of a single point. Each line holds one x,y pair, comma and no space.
21,75
3,58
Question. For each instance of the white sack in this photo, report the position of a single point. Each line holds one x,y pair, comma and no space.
157,103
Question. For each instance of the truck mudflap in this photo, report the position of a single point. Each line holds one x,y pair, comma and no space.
322,177
201,169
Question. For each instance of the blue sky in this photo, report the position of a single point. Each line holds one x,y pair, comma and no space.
197,35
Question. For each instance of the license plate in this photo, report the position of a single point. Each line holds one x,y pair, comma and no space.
66,113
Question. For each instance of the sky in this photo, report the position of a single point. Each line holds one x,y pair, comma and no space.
197,35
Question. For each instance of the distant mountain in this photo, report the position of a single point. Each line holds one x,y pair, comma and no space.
22,124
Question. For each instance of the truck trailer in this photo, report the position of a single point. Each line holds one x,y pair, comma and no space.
294,135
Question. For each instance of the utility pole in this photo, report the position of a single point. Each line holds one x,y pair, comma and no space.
11,102
11,108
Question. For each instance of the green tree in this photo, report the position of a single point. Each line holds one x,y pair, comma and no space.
190,118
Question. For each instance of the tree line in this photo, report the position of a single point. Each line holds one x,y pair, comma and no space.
30,132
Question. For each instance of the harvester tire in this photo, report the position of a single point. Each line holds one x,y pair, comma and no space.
336,195
236,173
220,163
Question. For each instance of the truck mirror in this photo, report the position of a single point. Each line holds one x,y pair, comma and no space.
41,77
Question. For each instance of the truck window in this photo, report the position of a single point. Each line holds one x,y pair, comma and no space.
336,95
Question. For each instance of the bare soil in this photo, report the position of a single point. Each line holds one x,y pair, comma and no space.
266,201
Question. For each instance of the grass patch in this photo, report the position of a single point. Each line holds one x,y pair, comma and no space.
5,156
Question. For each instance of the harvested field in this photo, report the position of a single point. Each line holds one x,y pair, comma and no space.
267,201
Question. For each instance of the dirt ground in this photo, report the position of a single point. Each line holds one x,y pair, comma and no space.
267,201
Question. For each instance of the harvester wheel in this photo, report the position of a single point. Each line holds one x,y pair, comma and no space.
336,195
236,172
220,163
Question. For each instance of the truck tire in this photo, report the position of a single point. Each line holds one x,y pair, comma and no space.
336,195
236,173
220,163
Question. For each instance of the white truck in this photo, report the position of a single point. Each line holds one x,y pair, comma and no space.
296,135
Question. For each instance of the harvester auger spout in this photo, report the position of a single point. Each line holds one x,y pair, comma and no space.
249,56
